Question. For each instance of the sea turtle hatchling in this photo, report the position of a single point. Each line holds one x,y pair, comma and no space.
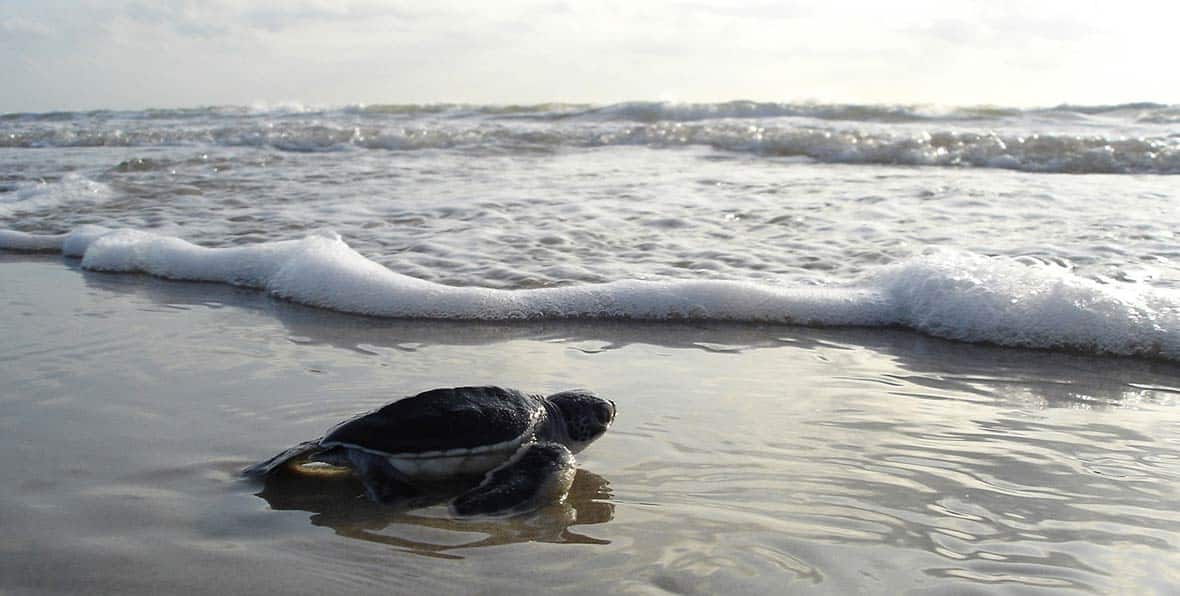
522,444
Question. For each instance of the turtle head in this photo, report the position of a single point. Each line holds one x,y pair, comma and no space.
584,415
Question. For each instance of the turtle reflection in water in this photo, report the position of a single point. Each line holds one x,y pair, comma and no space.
332,502
521,444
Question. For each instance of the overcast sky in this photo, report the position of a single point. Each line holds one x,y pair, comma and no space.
84,54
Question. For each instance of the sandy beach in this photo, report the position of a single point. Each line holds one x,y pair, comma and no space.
744,459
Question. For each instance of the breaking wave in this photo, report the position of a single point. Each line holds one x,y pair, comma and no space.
71,189
646,111
1119,139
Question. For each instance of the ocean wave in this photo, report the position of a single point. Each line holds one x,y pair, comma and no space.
71,189
1033,152
651,111
954,295
636,111
648,111
1114,139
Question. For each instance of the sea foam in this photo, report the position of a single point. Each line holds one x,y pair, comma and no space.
947,294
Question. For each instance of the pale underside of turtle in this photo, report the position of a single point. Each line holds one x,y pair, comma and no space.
522,445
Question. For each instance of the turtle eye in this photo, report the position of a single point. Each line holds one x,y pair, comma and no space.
603,413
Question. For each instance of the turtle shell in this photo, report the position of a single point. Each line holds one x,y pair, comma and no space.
442,421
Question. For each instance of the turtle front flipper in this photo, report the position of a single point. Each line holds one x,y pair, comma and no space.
537,474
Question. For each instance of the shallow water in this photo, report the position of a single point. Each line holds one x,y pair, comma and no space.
745,459
518,197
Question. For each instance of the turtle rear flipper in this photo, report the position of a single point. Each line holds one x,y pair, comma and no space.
293,456
537,474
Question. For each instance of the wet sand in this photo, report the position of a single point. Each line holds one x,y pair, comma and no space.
744,459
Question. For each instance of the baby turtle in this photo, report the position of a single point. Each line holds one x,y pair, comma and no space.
522,444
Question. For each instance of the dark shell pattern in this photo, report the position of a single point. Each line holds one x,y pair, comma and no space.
441,420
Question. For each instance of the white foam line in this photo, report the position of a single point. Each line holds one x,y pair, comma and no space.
324,271
947,294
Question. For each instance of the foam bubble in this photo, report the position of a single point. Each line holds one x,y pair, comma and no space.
947,294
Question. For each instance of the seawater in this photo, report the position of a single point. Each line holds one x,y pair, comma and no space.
776,431
1049,228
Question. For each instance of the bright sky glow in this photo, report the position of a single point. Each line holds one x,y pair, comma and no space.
63,54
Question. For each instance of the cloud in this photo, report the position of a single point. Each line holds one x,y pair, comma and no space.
1005,31
757,9
212,18
132,53
22,27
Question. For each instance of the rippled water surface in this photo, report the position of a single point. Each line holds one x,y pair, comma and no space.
744,459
